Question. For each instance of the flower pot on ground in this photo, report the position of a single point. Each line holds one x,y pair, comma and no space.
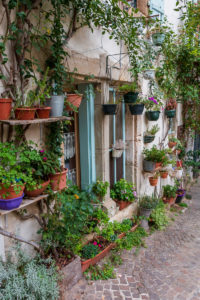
9,204
38,190
169,193
158,38
180,194
136,109
146,204
73,101
123,191
152,115
58,180
43,112
110,109
5,108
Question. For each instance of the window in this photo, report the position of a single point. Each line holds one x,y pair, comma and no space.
157,8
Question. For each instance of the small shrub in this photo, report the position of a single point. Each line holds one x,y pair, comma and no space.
90,251
158,216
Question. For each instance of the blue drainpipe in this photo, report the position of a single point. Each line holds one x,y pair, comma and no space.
124,136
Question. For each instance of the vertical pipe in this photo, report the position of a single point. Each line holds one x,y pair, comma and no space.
124,137
114,141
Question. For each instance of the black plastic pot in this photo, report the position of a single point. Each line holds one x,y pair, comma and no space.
136,109
170,113
152,115
149,139
180,197
148,166
109,109
130,97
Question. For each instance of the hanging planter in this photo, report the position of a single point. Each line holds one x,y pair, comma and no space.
109,109
149,74
149,139
75,100
170,113
172,144
131,97
158,38
117,153
136,109
153,181
163,174
58,180
152,115
25,113
148,166
5,108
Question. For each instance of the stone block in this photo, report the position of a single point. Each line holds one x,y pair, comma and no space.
72,273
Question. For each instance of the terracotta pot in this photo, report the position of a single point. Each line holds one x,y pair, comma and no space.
9,193
25,113
92,261
37,192
58,180
74,99
123,204
179,164
5,108
163,174
172,144
158,164
153,181
43,112
170,201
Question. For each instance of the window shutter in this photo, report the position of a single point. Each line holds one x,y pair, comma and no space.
157,7
142,6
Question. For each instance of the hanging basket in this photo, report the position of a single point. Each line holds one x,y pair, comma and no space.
116,153
158,38
152,115
109,109
149,74
130,97
153,181
136,109
170,113
148,166
149,139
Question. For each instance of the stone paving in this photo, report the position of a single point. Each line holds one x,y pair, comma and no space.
168,269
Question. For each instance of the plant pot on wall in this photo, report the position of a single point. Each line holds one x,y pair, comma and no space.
56,102
75,100
25,113
136,109
172,144
131,97
152,115
149,139
148,166
153,181
158,38
163,174
109,109
58,180
149,74
5,108
170,113
116,153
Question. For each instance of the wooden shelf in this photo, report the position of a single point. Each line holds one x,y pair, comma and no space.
35,121
26,202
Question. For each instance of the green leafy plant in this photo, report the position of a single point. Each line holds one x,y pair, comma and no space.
124,191
104,272
182,204
100,188
90,250
158,217
148,202
132,239
188,196
169,191
154,154
152,104
132,87
154,129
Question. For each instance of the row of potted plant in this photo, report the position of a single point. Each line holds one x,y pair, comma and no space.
25,170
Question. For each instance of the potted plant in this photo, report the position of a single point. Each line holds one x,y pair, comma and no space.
73,98
13,175
100,188
153,158
172,142
5,108
138,107
153,180
149,74
130,91
24,109
170,109
169,194
150,134
179,173
153,107
180,194
158,35
124,193
118,148
110,108
146,205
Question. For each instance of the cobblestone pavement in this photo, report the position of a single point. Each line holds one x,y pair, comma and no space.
168,269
